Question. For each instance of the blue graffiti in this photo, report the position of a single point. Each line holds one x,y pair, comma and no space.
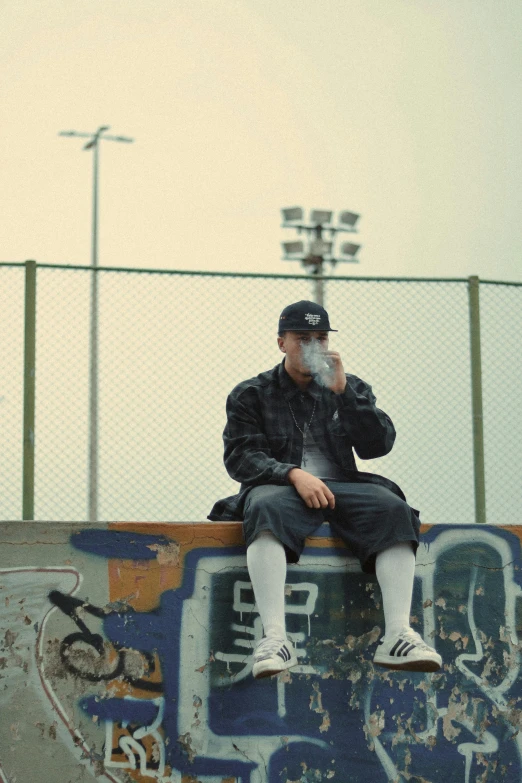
118,544
136,711
341,717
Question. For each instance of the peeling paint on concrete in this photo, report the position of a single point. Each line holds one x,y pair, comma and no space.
168,554
185,741
148,676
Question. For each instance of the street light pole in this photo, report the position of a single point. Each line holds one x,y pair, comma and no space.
93,143
94,349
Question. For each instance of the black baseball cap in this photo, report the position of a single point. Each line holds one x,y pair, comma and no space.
304,316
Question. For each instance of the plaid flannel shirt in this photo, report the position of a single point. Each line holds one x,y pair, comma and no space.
263,442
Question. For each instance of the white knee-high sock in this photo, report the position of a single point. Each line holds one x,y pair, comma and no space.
395,569
266,561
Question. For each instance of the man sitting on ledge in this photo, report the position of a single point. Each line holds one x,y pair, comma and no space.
288,441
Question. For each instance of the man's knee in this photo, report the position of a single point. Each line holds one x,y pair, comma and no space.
267,497
265,536
390,501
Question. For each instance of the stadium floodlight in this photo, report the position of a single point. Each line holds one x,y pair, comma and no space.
291,214
317,251
348,219
318,247
348,249
320,217
293,248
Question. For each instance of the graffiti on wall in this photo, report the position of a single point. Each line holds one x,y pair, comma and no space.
154,683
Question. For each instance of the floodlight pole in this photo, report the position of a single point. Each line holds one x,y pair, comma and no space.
319,290
94,347
318,268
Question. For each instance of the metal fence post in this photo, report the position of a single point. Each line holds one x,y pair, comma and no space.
29,390
476,400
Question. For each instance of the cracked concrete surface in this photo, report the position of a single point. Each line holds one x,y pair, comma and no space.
466,719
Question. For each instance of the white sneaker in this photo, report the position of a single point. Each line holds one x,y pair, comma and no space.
272,655
407,651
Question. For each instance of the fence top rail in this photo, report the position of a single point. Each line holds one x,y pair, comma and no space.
262,275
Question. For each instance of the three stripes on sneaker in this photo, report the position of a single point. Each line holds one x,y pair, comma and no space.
401,648
284,653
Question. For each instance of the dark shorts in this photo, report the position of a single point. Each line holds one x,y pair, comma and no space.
367,517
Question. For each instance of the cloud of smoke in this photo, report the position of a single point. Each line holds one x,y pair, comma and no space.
315,360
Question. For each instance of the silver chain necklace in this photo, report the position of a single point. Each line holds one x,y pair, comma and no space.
303,432
306,426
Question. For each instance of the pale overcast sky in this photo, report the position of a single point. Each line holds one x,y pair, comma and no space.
407,111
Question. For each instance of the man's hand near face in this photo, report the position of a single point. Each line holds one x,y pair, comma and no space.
336,378
312,490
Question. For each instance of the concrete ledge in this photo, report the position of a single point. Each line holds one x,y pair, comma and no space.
125,656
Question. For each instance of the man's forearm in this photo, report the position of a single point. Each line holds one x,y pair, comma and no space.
371,431
256,468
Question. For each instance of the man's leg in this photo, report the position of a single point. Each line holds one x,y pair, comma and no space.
401,647
266,562
395,571
276,524
382,531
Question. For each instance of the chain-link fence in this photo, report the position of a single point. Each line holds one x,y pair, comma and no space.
171,347
11,390
501,319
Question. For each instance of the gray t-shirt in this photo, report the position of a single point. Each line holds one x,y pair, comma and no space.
318,463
